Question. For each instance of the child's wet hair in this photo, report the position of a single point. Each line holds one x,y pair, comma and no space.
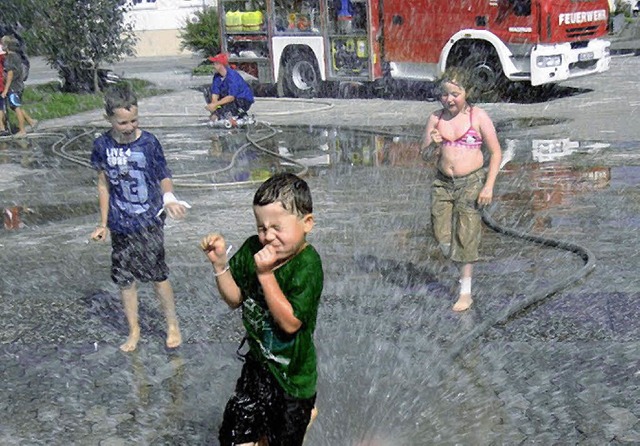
287,189
457,76
120,95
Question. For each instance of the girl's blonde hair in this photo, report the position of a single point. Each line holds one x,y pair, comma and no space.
460,77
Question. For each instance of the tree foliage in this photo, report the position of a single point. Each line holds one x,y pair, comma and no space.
78,37
17,17
203,33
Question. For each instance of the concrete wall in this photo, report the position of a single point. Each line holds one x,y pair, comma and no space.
157,24
161,42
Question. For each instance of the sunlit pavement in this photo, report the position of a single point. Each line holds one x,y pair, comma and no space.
563,372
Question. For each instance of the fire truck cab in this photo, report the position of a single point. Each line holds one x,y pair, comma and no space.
301,45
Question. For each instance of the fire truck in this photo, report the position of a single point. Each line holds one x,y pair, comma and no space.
303,45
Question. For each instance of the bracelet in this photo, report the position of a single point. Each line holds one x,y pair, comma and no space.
168,197
226,268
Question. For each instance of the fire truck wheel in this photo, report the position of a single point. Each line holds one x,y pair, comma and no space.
484,66
301,77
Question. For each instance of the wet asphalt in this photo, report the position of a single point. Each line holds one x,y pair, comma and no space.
562,371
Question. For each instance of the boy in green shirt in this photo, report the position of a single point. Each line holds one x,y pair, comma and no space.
277,278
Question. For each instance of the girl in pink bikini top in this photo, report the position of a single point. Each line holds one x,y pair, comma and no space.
470,139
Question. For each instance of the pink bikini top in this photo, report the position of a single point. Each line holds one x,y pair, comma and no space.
470,139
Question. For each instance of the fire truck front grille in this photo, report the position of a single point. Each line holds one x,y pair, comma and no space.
578,67
579,45
581,31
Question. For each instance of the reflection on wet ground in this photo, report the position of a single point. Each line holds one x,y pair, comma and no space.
385,326
549,171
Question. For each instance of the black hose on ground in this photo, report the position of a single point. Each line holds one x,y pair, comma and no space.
585,254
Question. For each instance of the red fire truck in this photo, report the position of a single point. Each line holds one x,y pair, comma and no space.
302,45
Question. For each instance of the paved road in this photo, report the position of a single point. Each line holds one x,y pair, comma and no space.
565,372
583,107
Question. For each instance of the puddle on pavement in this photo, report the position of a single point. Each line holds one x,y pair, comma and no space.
541,172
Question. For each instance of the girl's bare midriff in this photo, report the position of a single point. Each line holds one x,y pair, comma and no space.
458,161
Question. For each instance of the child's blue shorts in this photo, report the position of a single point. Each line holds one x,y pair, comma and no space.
15,99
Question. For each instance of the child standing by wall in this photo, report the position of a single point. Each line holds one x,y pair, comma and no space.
134,188
14,84
457,132
277,279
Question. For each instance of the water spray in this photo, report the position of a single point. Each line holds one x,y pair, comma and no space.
465,341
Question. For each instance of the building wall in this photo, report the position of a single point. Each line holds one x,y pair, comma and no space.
159,42
157,24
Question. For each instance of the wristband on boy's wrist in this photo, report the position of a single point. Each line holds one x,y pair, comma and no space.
168,197
226,268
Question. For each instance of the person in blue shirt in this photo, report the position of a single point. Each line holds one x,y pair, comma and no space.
135,191
230,95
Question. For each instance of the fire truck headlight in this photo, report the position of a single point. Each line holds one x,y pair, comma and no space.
549,61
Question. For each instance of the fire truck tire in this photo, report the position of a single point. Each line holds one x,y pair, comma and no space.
484,66
301,76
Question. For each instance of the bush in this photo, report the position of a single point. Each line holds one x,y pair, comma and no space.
205,68
202,35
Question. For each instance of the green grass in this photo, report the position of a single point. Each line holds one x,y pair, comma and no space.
204,69
46,101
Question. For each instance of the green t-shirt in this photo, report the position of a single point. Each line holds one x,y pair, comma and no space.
290,358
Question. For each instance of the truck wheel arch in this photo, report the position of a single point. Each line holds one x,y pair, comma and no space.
473,43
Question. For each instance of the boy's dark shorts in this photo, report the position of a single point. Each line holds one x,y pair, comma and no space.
2,102
138,256
260,407
14,99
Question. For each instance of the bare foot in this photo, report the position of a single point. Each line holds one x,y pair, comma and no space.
132,341
34,124
21,134
314,415
463,303
174,339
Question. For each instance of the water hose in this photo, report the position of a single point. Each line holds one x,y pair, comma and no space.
252,141
503,316
179,180
59,148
